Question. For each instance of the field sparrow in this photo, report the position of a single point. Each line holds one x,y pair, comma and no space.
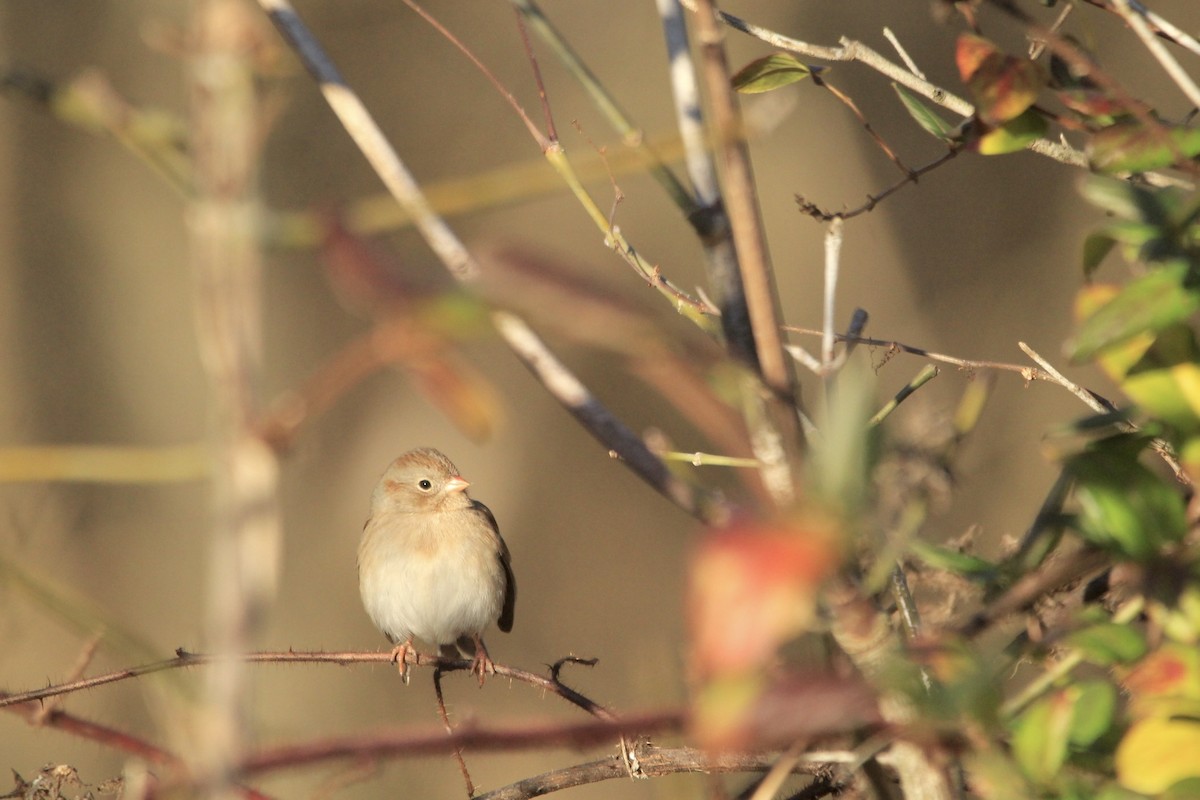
431,563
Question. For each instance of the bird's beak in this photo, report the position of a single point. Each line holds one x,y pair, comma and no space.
456,484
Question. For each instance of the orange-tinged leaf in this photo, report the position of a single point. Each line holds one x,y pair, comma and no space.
1171,673
970,52
1091,103
1156,753
753,587
1004,87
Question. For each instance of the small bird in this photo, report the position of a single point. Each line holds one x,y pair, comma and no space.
431,563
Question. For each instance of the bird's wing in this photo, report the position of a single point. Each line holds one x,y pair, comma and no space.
505,622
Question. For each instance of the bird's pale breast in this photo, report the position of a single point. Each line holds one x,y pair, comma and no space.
416,581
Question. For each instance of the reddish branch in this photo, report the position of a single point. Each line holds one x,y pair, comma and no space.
185,659
468,736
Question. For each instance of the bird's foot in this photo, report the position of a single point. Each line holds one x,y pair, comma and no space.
482,664
400,659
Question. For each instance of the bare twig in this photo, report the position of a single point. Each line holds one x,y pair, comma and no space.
833,257
873,200
630,133
184,659
1162,27
710,220
778,438
653,761
106,736
458,753
81,664
845,100
1135,18
1026,372
927,373
469,736
904,56
1102,406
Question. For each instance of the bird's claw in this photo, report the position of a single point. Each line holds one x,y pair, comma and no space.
400,659
482,664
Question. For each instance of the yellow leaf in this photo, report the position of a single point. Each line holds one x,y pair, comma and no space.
1157,753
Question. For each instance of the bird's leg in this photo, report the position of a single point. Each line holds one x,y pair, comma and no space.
481,665
400,658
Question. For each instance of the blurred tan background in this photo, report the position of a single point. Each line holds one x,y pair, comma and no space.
97,346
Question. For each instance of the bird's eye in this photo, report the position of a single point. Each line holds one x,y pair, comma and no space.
425,484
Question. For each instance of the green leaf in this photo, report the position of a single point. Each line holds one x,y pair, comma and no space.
1040,737
1108,643
1131,146
1124,199
1096,248
771,72
1123,505
925,117
1095,706
1015,134
953,561
1147,305
1165,381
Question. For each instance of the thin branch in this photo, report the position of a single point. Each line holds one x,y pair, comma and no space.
543,141
778,438
184,659
815,211
833,257
562,384
654,762
710,220
1102,406
904,56
1038,46
1162,27
851,50
699,459
1032,586
105,736
845,100
1136,20
469,736
445,717
927,373
744,213
1026,372
555,155
630,133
